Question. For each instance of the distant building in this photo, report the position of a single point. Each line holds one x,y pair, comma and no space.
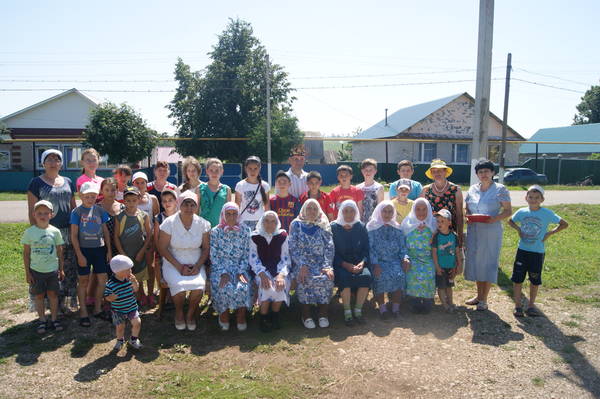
314,148
576,133
449,118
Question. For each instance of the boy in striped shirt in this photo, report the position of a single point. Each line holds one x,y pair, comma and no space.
120,292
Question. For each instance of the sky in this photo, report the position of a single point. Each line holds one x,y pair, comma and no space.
404,52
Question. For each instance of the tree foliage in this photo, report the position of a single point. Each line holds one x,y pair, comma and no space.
229,100
589,107
120,133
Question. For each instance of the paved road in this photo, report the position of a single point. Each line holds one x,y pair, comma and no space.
16,211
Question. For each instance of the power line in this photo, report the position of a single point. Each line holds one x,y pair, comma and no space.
547,85
554,77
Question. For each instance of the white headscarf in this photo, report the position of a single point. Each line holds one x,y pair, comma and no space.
321,219
260,228
340,217
411,222
377,220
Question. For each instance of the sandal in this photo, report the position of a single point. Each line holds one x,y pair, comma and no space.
57,326
41,327
85,322
533,312
472,301
519,312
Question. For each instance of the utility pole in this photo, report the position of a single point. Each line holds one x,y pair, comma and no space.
268,84
482,87
505,120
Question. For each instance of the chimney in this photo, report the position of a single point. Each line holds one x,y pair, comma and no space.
386,117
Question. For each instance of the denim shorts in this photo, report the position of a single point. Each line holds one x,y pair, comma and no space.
96,258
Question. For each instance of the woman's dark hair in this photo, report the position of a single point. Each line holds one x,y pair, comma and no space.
484,164
256,160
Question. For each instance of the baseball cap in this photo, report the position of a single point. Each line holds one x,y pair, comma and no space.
45,203
49,152
131,190
89,187
404,183
445,213
139,175
536,187
120,262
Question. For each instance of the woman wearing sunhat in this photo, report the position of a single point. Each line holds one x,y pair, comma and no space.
443,194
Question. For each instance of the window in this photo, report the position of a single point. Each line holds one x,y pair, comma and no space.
72,154
494,153
39,150
4,159
460,153
427,152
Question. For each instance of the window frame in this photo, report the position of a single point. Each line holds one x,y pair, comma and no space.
422,152
455,153
9,158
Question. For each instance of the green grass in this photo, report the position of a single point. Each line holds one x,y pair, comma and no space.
10,196
12,274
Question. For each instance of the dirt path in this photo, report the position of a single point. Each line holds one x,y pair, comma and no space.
467,354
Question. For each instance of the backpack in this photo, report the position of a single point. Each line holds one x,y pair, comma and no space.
141,220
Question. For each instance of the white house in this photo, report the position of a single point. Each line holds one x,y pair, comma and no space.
449,118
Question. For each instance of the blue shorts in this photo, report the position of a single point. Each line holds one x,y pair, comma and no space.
96,257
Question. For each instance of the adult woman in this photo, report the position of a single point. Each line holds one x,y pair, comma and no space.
388,255
59,190
350,263
419,227
183,243
312,251
443,194
230,282
191,171
484,240
213,194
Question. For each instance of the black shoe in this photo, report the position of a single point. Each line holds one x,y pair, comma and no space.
264,324
360,320
349,322
385,315
275,323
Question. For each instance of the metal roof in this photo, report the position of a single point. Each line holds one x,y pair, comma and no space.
583,133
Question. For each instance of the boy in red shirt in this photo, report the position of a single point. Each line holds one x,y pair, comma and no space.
283,203
346,190
314,180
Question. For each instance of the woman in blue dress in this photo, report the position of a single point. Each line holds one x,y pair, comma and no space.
351,261
311,250
230,280
484,240
418,227
388,255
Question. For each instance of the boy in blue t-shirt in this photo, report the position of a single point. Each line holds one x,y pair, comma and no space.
534,222
447,264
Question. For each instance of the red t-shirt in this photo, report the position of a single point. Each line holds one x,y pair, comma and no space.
339,195
324,201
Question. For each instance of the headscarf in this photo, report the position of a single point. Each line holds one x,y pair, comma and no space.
260,228
321,220
411,222
340,217
223,223
377,219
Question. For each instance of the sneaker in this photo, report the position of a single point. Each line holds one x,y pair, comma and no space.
118,345
135,343
482,306
323,322
309,323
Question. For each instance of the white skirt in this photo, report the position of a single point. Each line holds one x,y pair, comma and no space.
272,294
178,283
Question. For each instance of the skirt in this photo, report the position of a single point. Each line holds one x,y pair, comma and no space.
178,283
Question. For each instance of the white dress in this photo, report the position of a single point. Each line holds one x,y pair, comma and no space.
185,247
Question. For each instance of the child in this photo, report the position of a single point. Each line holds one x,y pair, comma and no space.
372,190
108,189
132,238
213,193
533,233
191,171
447,263
388,255
89,235
90,159
314,181
149,204
122,174
405,171
401,202
418,228
270,261
43,260
119,292
345,190
283,203
160,183
251,194
168,201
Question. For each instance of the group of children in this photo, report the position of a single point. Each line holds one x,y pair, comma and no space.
114,233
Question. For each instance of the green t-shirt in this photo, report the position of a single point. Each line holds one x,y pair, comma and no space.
43,242
445,245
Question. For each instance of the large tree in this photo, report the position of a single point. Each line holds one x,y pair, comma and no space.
228,99
120,133
589,107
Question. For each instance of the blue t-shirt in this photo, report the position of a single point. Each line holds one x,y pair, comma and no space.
90,221
415,190
534,225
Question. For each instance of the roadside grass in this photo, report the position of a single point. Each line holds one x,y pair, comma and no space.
12,274
13,196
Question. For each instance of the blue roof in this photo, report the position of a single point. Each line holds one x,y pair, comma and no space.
581,133
404,118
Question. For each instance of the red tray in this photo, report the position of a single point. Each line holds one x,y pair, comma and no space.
478,218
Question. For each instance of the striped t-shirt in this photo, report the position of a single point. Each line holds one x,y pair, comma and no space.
123,289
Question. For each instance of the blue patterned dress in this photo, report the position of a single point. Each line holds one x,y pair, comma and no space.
420,279
312,246
388,249
229,255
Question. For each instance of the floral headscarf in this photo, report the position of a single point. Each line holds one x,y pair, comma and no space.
223,223
321,219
